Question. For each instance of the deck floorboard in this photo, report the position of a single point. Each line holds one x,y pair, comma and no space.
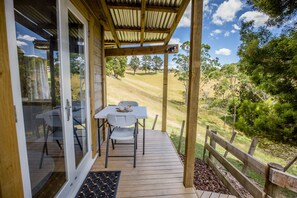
158,173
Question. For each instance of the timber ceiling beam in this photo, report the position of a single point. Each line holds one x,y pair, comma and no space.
142,23
137,29
179,15
161,49
110,23
123,6
134,42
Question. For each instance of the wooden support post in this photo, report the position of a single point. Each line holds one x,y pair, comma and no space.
270,188
165,93
155,121
250,152
231,141
104,92
204,149
212,143
193,96
92,89
10,168
290,163
181,136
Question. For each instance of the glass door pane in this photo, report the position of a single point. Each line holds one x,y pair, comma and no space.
39,69
78,85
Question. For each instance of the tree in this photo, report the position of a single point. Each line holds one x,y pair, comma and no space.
157,63
146,63
279,11
271,64
208,66
182,69
116,66
134,63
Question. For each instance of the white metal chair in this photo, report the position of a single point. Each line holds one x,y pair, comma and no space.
54,125
118,130
127,103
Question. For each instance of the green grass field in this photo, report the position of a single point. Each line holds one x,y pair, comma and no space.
146,89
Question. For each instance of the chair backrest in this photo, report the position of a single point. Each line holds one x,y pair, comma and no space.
53,119
127,103
121,120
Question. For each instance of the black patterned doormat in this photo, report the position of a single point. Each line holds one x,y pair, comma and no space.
100,184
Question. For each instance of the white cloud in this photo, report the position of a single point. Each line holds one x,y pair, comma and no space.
26,37
175,41
233,31
215,32
223,51
226,12
236,27
33,55
259,18
21,43
185,21
227,33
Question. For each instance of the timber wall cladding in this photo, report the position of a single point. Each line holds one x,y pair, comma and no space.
98,67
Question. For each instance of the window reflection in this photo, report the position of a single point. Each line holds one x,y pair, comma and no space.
39,69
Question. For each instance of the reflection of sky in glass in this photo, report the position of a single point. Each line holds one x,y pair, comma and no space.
25,38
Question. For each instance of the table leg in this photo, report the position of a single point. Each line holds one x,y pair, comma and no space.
143,136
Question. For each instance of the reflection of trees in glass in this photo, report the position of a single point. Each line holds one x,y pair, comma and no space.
33,75
77,69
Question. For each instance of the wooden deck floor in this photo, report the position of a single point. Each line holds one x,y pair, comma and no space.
158,173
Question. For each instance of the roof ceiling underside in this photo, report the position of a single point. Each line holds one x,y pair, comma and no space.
136,22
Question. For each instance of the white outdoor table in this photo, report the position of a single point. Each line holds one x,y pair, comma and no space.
139,111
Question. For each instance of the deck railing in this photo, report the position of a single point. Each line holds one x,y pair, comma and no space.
274,175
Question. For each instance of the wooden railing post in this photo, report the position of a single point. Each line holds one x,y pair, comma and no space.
271,189
205,141
212,143
251,151
155,121
181,136
231,141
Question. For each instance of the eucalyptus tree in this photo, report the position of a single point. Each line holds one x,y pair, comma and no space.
146,63
134,63
157,63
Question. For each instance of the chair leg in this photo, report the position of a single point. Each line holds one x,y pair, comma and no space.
59,144
44,149
135,144
112,143
76,136
107,145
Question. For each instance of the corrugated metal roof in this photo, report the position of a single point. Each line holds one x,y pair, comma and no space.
126,16
159,19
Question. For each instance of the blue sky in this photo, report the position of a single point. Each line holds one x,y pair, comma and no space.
221,25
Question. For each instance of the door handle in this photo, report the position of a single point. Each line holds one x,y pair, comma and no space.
67,108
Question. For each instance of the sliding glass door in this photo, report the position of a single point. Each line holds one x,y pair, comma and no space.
49,39
78,75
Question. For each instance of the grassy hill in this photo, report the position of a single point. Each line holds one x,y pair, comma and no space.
146,89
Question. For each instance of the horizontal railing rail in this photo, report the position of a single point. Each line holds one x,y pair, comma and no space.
275,177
